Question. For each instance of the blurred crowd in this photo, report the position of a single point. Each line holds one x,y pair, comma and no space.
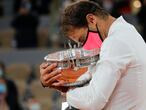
8,92
25,19
35,24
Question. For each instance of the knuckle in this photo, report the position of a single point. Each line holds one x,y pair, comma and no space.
40,65
43,65
43,79
42,72
48,69
53,65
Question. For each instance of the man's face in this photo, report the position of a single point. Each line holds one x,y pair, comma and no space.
78,34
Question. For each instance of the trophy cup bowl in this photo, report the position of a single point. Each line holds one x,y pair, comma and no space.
73,63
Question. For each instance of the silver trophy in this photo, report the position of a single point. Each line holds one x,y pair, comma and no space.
74,62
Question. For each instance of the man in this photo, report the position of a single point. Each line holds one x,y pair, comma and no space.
119,82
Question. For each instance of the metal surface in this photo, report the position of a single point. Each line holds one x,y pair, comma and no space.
75,59
72,58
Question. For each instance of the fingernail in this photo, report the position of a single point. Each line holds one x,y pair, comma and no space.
59,70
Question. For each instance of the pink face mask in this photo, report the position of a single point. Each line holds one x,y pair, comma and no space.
93,41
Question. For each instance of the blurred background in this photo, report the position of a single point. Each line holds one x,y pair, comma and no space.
30,29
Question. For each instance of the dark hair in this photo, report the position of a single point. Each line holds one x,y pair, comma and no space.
2,66
75,14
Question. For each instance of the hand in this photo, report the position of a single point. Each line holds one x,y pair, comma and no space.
49,75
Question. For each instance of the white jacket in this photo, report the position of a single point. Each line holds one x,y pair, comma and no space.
119,81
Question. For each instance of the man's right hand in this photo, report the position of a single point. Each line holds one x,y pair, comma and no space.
49,75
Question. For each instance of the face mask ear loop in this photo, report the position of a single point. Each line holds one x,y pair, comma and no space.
99,33
86,37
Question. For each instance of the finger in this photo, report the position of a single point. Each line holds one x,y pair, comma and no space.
50,68
56,84
60,83
43,65
53,79
54,73
47,76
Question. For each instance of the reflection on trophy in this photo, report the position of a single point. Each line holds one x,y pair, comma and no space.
73,62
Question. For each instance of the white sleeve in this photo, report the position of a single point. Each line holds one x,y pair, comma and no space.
114,60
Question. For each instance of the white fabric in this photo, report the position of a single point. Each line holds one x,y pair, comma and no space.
119,81
64,105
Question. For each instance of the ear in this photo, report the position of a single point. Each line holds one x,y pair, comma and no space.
91,19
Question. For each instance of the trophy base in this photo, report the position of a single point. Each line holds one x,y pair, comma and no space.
77,83
70,76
